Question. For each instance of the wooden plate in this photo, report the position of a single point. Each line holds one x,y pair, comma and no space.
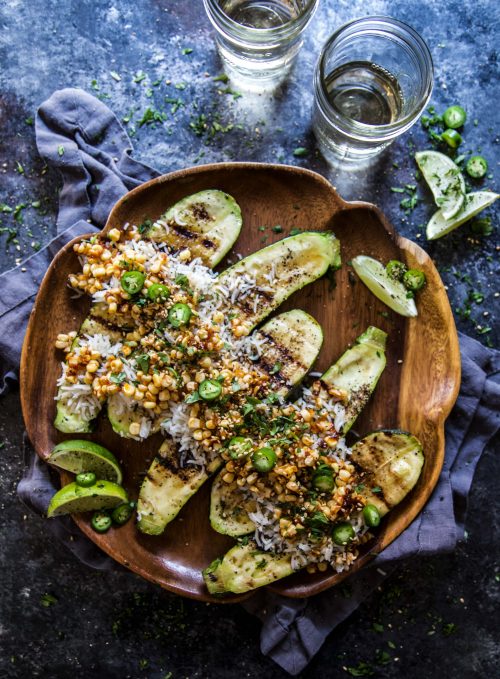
416,391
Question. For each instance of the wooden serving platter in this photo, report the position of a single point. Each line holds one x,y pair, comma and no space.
416,392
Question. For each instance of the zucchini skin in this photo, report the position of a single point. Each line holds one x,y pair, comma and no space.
391,461
244,567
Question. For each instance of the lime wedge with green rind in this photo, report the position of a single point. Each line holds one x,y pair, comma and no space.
444,179
72,499
388,290
80,455
474,202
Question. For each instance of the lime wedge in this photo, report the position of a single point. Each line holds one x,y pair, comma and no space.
389,291
74,498
474,202
79,455
444,179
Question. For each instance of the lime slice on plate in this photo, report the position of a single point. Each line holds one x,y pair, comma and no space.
74,498
86,456
474,202
444,179
389,291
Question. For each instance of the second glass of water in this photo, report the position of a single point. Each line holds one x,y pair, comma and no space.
258,40
373,80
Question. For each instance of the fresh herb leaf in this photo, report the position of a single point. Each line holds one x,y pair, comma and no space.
117,378
300,152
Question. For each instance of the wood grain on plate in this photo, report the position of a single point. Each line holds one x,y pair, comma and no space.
416,391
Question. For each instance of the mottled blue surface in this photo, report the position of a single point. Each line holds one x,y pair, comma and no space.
116,625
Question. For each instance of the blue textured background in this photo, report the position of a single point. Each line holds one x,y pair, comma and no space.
436,616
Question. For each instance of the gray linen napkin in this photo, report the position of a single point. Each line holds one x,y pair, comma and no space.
97,152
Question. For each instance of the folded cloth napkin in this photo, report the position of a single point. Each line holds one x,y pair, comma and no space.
97,153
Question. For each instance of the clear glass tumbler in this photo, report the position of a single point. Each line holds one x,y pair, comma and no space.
373,79
258,40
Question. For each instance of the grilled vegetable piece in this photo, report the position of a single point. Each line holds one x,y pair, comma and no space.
356,373
388,460
208,223
167,487
290,264
389,463
244,568
279,270
67,420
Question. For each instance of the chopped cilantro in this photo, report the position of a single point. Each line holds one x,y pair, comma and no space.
362,669
142,362
278,229
223,78
192,398
377,489
119,378
145,226
115,76
19,167
300,152
187,50
48,600
276,368
377,627
139,77
60,150
152,116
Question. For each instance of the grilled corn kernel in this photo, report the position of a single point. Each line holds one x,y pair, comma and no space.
134,429
128,389
114,235
92,366
149,405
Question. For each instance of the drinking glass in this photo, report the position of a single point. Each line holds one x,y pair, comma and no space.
258,40
373,79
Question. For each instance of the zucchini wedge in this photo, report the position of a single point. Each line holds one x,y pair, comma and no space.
67,420
245,567
356,373
208,223
214,221
167,487
389,462
277,271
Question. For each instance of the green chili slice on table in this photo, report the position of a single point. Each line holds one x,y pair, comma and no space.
454,117
476,167
452,138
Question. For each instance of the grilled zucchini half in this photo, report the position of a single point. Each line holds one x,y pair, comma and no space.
356,373
293,339
208,223
388,461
